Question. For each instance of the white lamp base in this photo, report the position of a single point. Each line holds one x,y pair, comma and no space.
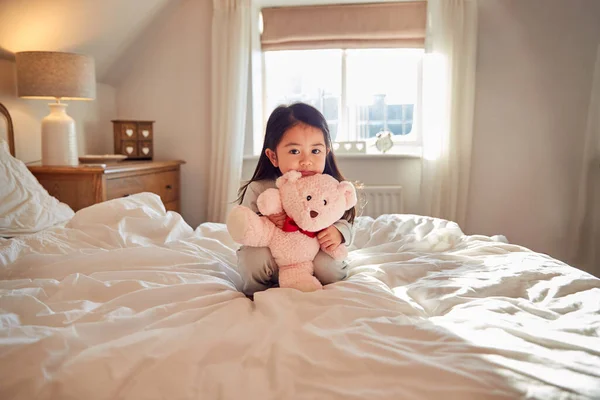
59,142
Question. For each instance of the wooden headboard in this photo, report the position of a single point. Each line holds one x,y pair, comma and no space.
6,129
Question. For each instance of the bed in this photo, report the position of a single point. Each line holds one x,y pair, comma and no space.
127,301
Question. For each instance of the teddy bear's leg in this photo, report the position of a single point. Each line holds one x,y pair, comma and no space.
249,229
299,276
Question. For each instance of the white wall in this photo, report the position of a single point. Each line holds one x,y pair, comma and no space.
165,77
101,28
534,74
92,118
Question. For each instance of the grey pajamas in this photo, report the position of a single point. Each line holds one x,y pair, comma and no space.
257,266
259,270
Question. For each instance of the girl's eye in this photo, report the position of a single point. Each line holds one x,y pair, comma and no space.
308,198
294,151
316,151
324,202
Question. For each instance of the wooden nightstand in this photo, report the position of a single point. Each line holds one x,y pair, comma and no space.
86,184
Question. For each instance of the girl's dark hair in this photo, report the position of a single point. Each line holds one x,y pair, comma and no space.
282,119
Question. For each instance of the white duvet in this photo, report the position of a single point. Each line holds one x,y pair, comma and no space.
25,206
128,302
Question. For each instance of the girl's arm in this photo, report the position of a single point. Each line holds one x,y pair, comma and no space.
345,229
252,192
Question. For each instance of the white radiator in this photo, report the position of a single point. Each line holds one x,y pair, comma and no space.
379,200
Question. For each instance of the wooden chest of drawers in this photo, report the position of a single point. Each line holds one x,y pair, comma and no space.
86,184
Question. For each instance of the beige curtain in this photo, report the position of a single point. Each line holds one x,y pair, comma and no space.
448,107
345,26
231,45
585,235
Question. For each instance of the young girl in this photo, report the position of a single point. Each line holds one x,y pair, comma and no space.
297,138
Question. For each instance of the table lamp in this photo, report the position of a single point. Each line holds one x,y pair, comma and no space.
60,76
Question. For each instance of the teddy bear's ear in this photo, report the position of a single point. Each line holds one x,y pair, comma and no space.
290,176
349,193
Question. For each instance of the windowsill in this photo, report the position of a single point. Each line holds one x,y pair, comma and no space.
397,152
377,156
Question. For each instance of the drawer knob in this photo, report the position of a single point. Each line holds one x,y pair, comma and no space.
126,195
169,187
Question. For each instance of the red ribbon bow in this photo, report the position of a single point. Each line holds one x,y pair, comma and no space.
289,225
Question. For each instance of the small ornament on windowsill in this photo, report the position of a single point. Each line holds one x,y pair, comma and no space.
355,147
384,141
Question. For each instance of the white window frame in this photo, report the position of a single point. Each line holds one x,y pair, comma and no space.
409,144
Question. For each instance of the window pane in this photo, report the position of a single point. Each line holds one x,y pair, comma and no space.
310,76
408,112
396,129
394,111
381,87
377,109
374,129
330,107
333,129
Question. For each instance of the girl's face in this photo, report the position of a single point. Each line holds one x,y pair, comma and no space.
302,148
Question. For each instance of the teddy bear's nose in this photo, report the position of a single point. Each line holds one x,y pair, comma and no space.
314,214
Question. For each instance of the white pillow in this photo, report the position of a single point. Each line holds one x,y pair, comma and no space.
25,206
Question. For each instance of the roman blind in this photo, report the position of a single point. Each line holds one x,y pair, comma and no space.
400,25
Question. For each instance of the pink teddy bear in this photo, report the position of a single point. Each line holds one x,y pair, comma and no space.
312,204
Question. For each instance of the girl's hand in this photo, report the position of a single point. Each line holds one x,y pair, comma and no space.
277,219
330,238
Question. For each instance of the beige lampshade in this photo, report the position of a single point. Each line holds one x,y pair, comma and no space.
49,74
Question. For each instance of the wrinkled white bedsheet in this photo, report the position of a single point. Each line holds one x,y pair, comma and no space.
128,302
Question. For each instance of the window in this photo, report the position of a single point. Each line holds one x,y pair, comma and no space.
310,76
360,92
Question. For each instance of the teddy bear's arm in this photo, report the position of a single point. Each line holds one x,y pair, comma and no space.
247,228
269,202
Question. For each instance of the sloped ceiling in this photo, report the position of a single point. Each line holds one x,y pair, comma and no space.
103,29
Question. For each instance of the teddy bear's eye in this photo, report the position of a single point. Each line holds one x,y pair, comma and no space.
325,202
308,198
